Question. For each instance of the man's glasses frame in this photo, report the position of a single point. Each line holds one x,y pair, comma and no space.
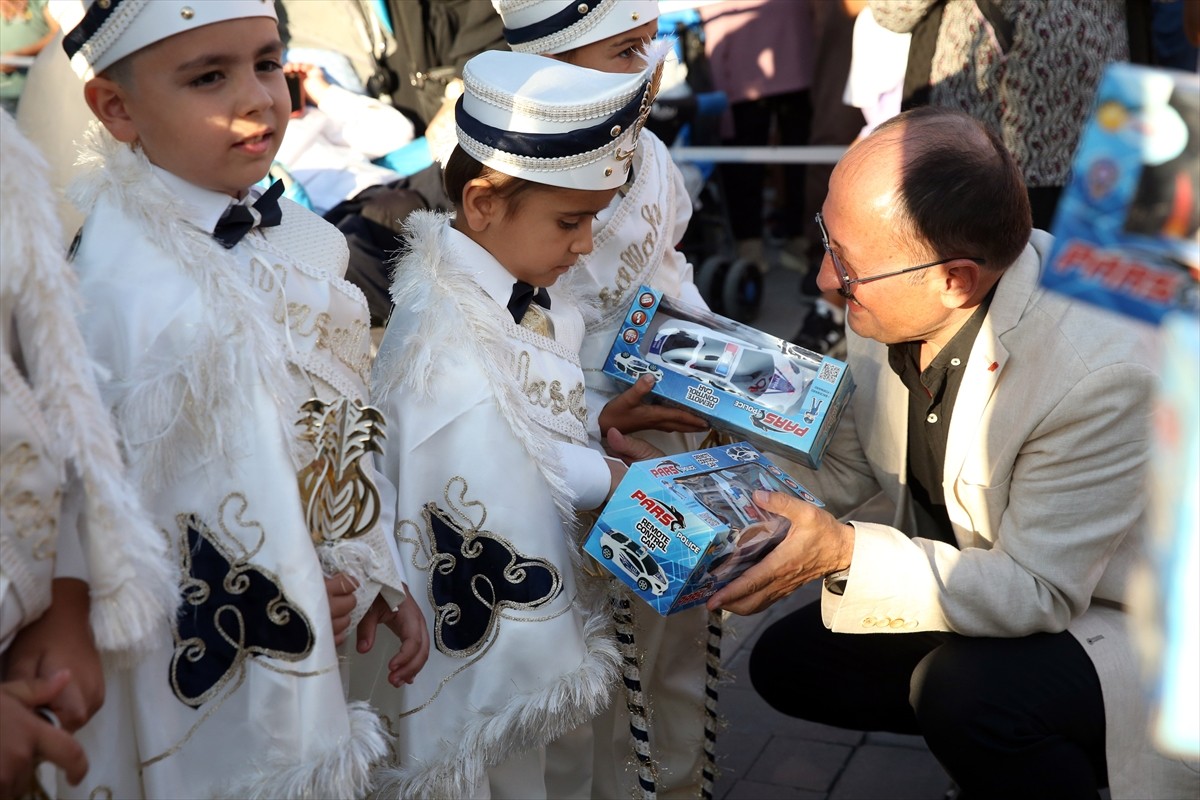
845,282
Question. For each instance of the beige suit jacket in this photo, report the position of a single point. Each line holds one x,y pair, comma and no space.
1045,487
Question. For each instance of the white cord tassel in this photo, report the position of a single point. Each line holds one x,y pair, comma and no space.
639,726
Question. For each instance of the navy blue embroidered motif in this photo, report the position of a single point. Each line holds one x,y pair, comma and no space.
231,611
473,577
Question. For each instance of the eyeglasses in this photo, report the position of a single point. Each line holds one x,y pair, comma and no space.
844,279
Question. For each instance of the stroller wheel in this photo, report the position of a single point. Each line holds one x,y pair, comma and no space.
742,290
710,280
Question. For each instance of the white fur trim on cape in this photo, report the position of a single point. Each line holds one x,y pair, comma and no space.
344,772
528,720
456,318
193,403
133,582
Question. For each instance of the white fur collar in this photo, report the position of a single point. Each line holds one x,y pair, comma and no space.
192,400
133,583
454,316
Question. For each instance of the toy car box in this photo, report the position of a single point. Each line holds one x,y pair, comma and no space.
680,527
1127,229
780,397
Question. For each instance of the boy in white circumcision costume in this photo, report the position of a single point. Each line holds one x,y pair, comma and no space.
635,244
480,369
237,361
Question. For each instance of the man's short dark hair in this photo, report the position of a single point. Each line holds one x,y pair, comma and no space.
963,192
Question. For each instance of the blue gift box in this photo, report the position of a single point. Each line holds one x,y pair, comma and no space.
755,386
1127,229
680,527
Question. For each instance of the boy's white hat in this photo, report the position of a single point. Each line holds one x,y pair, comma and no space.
113,29
556,26
551,122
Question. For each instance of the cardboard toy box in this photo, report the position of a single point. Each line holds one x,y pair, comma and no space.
1127,229
755,386
680,527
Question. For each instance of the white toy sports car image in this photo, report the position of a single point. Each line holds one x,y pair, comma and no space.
768,377
635,367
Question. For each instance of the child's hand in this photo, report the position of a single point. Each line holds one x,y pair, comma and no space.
61,641
29,738
408,623
339,588
628,413
629,449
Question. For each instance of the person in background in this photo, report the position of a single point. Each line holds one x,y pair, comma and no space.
834,123
26,27
1028,70
334,138
761,56
1010,428
53,113
330,149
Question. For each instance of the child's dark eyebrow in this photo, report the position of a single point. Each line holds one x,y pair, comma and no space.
628,41
221,59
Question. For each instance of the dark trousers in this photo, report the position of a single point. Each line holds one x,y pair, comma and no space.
1006,718
743,183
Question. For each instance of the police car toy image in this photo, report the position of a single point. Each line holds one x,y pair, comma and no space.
769,378
633,560
738,453
635,367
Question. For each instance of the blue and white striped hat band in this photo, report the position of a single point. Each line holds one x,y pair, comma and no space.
554,26
552,122
113,29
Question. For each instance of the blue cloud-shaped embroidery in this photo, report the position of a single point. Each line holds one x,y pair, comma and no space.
231,611
473,577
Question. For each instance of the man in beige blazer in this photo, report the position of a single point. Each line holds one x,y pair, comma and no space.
1010,428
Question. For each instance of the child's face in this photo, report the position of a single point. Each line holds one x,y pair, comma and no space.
546,233
617,53
211,105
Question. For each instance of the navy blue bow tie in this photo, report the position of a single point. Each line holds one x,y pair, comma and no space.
522,295
240,220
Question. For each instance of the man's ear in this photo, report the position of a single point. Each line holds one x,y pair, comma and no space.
108,101
480,204
961,280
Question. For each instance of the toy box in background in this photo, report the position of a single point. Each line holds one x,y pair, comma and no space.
1164,595
1127,230
779,396
680,527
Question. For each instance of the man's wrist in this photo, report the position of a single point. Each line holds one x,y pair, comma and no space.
835,582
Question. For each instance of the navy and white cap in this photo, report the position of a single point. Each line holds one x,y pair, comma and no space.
113,29
551,122
550,27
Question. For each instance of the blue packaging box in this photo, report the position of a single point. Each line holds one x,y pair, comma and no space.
1127,229
780,397
680,527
